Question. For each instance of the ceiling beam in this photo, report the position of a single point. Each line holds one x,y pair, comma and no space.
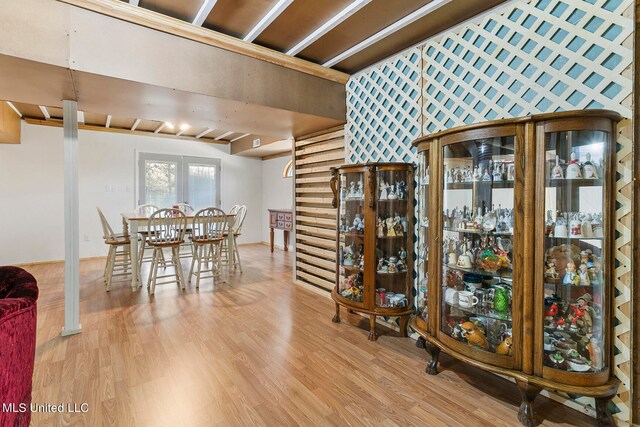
204,132
135,124
159,128
80,116
224,135
108,122
134,2
13,107
204,11
267,20
329,25
412,17
45,113
240,137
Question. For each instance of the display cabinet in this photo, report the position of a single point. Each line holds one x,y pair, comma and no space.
519,282
374,240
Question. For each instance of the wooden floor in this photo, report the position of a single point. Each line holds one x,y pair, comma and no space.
257,350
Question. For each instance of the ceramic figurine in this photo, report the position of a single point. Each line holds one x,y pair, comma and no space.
380,230
595,354
402,254
570,276
358,224
551,312
556,172
361,263
596,226
476,174
360,190
391,266
391,195
589,169
550,274
511,172
505,347
573,168
383,190
548,225
401,190
485,175
348,260
397,226
575,226
391,232
352,190
560,229
344,193
587,228
474,336
449,175
497,174
382,268
584,275
501,299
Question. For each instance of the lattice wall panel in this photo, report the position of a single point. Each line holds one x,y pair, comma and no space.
532,57
383,111
315,218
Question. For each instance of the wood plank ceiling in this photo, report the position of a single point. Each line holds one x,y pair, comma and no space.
340,34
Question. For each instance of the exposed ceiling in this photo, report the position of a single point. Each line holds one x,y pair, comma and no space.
341,34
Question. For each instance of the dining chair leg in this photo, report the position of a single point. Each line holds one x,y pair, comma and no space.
153,271
141,249
193,261
106,267
200,249
111,262
236,256
176,259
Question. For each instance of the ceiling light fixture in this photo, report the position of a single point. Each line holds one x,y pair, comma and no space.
420,13
267,20
169,125
184,126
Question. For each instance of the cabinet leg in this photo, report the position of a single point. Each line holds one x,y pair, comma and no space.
271,240
604,417
529,393
336,318
421,342
372,328
286,240
434,351
404,323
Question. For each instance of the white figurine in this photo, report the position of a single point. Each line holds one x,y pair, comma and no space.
383,190
590,170
556,172
573,169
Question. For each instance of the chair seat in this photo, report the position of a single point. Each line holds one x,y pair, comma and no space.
206,240
118,240
162,243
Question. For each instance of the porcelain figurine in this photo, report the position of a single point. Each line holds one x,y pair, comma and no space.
573,168
587,228
497,174
348,260
556,172
391,232
391,194
551,312
570,276
485,175
361,263
360,190
575,227
380,228
391,266
352,190
505,347
383,190
397,225
596,226
402,254
589,169
560,229
550,274
358,224
344,193
584,275
474,336
548,225
476,174
511,172
401,190
382,268
595,354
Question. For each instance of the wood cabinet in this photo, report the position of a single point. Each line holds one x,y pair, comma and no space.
374,238
280,219
515,252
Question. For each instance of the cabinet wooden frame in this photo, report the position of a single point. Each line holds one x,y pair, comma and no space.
527,362
368,305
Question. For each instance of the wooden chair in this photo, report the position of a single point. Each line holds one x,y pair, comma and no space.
119,257
166,230
207,234
188,244
146,209
236,230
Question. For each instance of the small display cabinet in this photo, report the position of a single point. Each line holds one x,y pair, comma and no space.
374,240
517,215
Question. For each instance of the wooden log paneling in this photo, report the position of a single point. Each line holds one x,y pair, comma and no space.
315,155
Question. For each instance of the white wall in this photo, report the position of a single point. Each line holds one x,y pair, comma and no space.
277,193
31,188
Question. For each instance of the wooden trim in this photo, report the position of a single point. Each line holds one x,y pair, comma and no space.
301,142
634,406
323,243
319,211
58,124
316,251
323,283
315,231
176,27
333,144
313,190
327,133
329,265
325,157
278,155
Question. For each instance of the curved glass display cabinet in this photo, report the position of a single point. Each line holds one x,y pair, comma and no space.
374,240
422,255
520,268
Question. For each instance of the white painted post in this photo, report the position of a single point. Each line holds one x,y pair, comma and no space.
71,221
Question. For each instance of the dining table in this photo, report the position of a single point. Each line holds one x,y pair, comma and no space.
134,221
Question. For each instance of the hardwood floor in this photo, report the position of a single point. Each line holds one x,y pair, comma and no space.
257,350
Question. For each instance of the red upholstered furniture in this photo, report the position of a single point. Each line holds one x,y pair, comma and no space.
18,296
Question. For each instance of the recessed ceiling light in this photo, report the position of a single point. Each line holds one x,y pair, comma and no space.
169,125
184,126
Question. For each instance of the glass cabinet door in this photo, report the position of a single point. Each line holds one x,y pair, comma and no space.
351,210
422,259
574,254
477,238
393,275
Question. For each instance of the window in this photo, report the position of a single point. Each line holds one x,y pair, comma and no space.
288,169
165,180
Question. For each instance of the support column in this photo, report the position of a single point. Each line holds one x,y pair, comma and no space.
71,221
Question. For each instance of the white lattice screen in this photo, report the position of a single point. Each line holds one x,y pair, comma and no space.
525,58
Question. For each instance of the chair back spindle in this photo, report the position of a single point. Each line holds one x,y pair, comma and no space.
209,224
167,226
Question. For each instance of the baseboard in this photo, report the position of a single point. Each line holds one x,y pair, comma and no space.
290,248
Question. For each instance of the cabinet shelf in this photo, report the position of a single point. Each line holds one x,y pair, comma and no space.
353,200
574,238
480,232
470,185
477,312
352,234
504,274
581,182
